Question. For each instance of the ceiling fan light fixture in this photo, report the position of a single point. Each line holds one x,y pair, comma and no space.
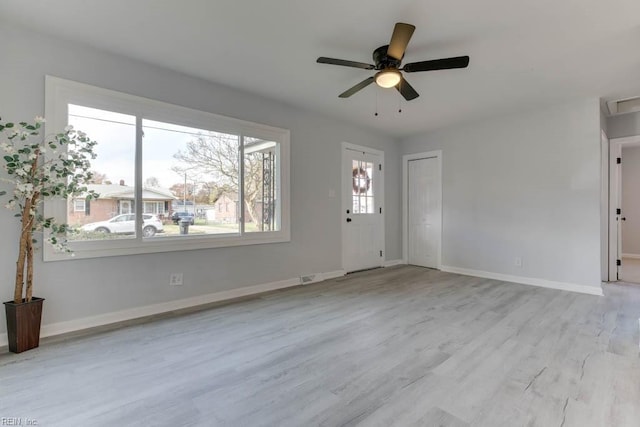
388,78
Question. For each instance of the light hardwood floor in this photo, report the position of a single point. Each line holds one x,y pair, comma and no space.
402,346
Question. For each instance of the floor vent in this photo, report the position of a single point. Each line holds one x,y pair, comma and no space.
305,280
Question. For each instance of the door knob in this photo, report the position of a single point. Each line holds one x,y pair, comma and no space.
623,218
348,219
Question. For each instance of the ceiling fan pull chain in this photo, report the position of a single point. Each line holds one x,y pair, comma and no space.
400,99
376,114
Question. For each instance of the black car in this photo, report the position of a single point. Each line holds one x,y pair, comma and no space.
178,216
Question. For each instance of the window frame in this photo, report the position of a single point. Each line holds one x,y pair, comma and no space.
59,93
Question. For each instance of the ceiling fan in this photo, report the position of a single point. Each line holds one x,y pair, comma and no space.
387,62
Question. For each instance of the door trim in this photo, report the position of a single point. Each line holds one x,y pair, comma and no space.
615,150
604,206
345,182
405,202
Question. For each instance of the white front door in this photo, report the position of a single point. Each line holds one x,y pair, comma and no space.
125,207
363,224
423,211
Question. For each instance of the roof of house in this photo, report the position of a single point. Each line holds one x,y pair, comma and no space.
116,191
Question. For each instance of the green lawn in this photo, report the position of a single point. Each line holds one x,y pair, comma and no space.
200,227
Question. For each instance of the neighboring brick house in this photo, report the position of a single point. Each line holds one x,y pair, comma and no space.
225,209
116,199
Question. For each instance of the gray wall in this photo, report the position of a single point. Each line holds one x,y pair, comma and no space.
631,200
604,125
525,185
80,288
623,125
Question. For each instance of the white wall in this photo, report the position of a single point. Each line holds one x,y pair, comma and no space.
525,185
623,125
80,288
631,200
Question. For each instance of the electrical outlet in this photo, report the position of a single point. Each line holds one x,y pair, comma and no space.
175,279
518,261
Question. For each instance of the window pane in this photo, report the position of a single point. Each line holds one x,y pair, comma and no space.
191,172
261,185
79,205
362,183
113,171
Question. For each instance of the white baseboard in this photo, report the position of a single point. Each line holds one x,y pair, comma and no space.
149,310
572,287
631,256
393,262
333,274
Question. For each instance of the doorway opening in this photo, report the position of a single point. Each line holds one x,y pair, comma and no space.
624,210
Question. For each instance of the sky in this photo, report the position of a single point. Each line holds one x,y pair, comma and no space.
115,134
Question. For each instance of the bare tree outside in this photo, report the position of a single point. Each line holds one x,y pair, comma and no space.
152,182
215,158
98,178
178,190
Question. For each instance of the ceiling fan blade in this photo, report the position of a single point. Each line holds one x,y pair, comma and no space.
406,90
400,39
366,82
333,61
437,64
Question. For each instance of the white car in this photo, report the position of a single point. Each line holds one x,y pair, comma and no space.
126,223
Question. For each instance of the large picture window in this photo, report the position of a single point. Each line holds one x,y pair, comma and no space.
169,178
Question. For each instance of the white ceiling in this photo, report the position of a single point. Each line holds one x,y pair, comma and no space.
524,54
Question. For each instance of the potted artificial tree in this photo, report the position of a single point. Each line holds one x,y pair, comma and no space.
36,169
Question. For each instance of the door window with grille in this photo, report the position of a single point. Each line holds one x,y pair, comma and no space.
362,182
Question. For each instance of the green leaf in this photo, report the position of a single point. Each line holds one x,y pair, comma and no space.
8,158
9,125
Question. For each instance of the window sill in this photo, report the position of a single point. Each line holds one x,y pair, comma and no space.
135,246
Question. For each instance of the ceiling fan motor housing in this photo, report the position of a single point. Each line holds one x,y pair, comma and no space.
384,61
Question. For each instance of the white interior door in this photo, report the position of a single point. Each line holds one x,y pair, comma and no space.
423,211
363,225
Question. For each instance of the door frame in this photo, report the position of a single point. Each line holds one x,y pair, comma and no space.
604,206
405,201
346,183
615,190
